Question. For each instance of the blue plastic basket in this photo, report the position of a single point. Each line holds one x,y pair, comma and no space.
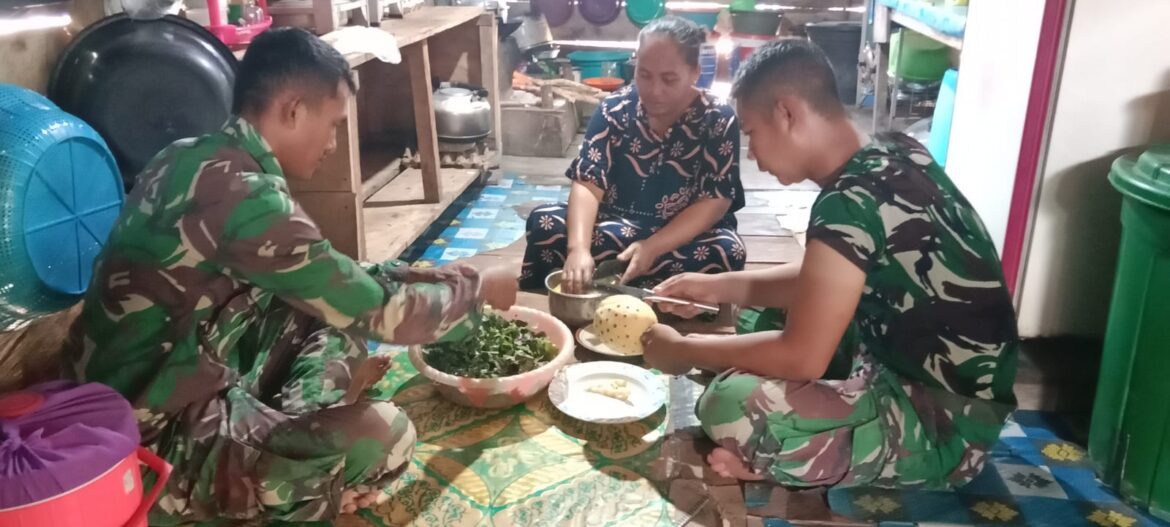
708,65
60,194
944,111
595,64
703,18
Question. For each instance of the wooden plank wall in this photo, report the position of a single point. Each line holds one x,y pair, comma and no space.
29,56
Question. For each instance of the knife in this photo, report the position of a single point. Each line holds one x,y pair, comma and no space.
608,278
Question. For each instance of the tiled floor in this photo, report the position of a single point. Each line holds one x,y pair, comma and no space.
489,219
482,220
1036,476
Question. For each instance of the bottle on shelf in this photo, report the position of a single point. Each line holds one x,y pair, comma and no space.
252,14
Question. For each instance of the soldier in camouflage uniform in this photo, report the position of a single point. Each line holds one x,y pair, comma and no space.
900,276
239,333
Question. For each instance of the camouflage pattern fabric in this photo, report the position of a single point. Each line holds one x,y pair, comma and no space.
221,313
935,334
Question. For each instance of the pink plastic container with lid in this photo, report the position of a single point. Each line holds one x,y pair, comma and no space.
233,35
69,456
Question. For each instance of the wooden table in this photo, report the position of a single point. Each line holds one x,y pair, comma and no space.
395,101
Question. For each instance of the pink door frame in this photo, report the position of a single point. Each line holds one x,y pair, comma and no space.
1048,58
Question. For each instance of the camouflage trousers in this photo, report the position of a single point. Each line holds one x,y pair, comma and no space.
281,445
871,428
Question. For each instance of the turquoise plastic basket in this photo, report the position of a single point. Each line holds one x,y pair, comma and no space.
60,194
704,18
595,64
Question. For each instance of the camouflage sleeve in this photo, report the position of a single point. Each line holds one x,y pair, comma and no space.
845,217
269,241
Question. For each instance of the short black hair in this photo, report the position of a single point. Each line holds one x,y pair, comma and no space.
794,65
288,57
686,34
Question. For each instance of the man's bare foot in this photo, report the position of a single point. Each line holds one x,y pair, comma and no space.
369,373
359,497
728,464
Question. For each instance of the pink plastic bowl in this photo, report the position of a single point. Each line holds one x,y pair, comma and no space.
504,391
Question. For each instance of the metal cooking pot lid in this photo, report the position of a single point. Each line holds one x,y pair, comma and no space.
142,84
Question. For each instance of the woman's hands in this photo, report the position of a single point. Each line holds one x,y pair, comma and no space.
578,271
640,258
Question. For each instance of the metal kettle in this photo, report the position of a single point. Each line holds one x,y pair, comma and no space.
462,113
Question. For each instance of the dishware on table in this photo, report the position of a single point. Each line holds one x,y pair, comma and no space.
591,341
575,310
579,390
502,392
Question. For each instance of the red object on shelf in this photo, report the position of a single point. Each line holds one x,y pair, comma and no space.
605,83
234,35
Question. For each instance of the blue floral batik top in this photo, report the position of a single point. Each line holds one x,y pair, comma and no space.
649,179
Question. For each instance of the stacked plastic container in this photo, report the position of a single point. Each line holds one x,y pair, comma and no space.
708,62
60,194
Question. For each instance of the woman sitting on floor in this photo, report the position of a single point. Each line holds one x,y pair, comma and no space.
656,183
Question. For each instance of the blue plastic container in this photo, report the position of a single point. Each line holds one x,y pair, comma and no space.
708,62
706,18
60,194
594,64
944,111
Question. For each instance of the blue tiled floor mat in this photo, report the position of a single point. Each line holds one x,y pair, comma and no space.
482,219
1036,476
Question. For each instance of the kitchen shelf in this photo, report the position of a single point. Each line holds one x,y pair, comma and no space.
450,43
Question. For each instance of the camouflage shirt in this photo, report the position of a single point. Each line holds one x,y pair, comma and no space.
209,240
935,309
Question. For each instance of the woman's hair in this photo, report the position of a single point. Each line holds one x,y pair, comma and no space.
687,35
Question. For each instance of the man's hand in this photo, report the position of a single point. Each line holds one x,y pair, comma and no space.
499,285
640,256
660,345
696,287
578,271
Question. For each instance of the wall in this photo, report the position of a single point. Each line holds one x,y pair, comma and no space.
801,12
29,56
995,78
1113,97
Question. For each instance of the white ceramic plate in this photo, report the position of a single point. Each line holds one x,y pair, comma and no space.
590,341
569,392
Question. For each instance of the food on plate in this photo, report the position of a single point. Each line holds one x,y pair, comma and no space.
616,389
499,348
620,322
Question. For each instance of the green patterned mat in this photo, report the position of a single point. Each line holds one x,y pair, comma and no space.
525,465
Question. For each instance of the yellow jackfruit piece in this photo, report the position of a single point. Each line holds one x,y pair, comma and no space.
621,320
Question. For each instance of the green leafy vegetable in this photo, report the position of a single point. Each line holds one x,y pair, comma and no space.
498,349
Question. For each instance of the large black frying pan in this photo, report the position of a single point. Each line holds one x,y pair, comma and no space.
142,84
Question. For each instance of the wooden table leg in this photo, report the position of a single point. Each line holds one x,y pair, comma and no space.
333,196
489,73
419,62
881,83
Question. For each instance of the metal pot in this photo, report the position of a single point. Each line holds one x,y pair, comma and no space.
462,113
533,34
576,311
